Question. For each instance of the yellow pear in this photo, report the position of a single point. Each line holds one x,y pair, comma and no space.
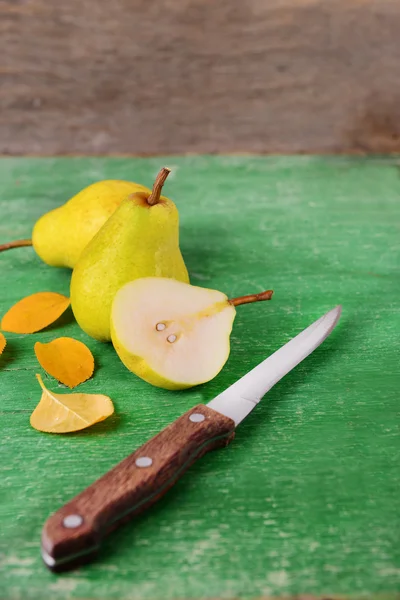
60,235
140,239
172,334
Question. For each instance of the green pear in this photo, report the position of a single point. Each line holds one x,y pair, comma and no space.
140,239
60,235
172,334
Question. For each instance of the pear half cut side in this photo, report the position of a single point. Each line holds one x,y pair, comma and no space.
171,334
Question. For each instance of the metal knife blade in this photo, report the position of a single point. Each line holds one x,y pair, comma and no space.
238,400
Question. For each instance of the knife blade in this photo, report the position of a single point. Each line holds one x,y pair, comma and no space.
73,534
239,399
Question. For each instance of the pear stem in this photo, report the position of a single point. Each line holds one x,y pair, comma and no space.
16,244
154,197
267,295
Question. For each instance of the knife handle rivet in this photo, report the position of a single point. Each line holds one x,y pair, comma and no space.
196,418
144,461
72,521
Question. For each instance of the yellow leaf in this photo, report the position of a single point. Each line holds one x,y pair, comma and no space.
35,312
66,359
3,342
63,413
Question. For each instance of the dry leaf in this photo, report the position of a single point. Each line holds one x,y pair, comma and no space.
3,342
63,413
35,312
66,359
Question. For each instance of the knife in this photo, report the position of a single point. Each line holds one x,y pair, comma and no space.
72,535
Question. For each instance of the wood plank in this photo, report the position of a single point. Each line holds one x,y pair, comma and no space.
305,500
183,76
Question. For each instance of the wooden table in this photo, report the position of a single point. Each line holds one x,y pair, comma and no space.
306,500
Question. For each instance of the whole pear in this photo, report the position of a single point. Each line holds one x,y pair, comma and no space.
60,235
140,239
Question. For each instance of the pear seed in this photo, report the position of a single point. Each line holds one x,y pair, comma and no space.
171,338
160,326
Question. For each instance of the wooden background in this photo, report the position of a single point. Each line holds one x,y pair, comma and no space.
178,76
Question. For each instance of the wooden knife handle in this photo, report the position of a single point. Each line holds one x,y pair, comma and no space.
72,534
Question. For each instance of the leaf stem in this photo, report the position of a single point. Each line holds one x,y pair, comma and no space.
40,380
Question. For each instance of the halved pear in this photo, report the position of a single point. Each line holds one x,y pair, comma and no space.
172,334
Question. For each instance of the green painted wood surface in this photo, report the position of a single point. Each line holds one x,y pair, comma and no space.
306,500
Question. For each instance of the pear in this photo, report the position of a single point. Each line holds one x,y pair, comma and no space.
140,239
60,235
172,334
